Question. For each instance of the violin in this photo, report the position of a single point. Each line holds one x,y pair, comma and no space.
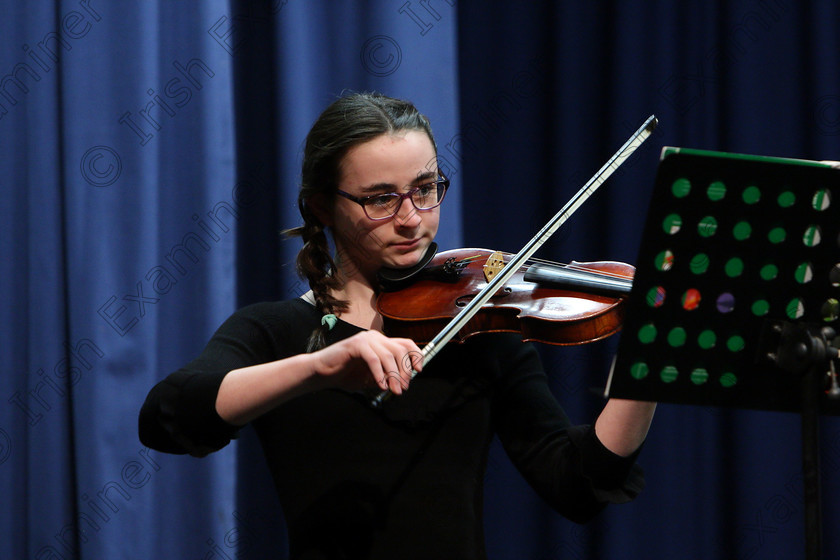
561,304
501,271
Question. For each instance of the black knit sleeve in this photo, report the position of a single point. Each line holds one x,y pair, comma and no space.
566,464
179,414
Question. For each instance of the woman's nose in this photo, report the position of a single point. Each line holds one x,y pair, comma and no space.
407,215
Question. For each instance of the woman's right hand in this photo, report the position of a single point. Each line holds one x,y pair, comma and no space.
362,362
369,358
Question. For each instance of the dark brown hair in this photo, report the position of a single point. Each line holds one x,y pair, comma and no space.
349,121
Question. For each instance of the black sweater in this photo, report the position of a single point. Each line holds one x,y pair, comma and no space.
403,481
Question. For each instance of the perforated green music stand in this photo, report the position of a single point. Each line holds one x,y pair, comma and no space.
736,295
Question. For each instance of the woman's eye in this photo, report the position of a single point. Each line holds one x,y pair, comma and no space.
383,200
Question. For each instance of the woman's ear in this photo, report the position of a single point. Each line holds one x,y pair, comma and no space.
320,207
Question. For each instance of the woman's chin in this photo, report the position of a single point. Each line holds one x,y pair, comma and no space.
406,259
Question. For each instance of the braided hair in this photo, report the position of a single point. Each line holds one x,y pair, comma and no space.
349,121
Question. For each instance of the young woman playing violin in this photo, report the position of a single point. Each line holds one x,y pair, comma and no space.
402,480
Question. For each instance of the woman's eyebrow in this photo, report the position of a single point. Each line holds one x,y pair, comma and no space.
391,187
425,177
379,187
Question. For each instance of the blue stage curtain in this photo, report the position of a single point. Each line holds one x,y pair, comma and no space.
149,158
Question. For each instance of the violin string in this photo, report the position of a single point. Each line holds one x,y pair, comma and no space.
561,265
579,268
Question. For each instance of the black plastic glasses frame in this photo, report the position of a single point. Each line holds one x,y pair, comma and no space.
442,182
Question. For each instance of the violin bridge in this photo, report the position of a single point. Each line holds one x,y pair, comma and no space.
495,263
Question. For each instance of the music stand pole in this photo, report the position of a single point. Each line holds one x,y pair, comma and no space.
811,462
808,350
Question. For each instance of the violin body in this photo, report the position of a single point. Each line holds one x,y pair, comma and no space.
548,312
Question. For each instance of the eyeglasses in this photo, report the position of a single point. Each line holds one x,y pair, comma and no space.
384,206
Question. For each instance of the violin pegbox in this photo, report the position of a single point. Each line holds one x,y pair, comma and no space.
495,263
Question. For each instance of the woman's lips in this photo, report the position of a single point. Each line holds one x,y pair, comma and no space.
407,244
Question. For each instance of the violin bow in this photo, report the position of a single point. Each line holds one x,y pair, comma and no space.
457,323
